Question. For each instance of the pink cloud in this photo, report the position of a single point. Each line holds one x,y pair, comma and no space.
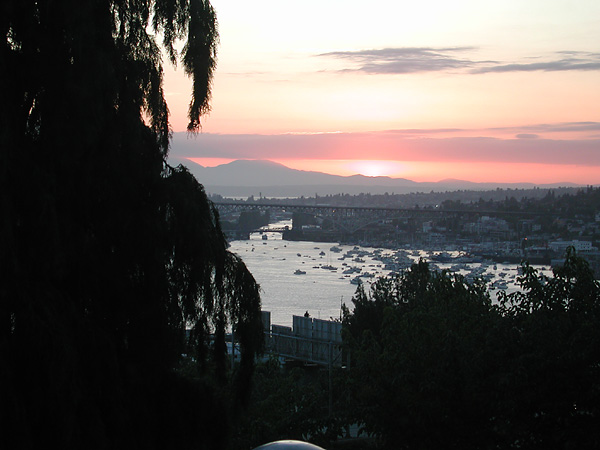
389,146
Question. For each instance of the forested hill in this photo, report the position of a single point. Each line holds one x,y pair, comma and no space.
558,199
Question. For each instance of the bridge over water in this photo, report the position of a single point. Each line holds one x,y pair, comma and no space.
350,219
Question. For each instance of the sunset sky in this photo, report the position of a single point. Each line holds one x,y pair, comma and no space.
504,91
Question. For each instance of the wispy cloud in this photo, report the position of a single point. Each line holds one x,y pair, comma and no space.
563,127
524,146
569,61
408,60
404,60
422,131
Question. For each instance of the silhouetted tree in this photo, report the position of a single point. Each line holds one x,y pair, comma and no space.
286,404
419,360
107,253
436,365
554,381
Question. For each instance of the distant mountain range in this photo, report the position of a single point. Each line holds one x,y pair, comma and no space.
243,178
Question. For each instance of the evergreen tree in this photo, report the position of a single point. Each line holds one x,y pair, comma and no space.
108,254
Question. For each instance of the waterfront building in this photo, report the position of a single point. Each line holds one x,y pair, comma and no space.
580,246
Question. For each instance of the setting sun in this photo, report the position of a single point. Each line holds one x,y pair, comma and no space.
375,168
435,92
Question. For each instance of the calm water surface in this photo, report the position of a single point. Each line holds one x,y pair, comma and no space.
273,262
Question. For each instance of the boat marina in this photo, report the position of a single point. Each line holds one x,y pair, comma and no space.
296,276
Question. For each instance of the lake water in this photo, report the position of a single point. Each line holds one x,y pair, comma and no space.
273,262
283,293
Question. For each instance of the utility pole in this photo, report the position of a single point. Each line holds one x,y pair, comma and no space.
232,348
330,357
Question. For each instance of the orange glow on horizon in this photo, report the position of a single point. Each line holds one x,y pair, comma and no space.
376,168
426,171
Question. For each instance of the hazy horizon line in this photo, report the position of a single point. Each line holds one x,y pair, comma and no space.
453,180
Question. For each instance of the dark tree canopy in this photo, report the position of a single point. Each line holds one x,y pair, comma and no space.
436,365
107,254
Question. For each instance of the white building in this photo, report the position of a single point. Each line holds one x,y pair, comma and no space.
579,246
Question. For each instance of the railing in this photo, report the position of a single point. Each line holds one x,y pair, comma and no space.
316,351
312,340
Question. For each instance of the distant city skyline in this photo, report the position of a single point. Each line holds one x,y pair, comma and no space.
480,91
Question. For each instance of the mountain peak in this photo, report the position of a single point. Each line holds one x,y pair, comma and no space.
252,176
453,181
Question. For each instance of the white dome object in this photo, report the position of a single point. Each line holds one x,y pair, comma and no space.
289,445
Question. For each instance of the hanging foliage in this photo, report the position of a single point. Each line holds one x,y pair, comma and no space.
109,255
